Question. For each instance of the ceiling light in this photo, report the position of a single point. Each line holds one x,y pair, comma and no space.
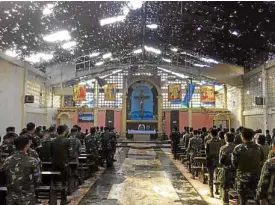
63,35
152,26
209,60
69,45
174,73
137,51
200,65
111,20
11,53
235,33
199,28
99,63
38,57
48,9
114,72
188,54
95,54
135,4
153,50
126,10
166,60
174,49
107,55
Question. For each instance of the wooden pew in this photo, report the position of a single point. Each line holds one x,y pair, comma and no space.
50,190
199,167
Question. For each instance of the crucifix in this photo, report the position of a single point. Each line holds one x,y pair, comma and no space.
141,97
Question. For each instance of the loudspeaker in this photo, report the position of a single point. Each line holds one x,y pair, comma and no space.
259,100
29,99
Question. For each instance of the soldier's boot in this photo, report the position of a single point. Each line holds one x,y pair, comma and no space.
64,202
211,192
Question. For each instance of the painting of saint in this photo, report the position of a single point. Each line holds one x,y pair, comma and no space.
79,93
174,92
110,92
207,94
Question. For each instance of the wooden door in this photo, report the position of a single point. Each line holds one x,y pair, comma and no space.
174,119
110,116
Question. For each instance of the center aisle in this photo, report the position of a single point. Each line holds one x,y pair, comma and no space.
142,177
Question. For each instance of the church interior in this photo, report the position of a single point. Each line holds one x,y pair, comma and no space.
160,76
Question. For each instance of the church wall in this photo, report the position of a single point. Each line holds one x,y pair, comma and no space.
200,120
183,121
101,118
36,112
11,95
117,121
234,95
168,122
254,121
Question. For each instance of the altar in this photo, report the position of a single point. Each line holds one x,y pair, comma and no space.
141,135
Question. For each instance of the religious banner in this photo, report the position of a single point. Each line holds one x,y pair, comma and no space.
190,89
207,94
110,92
79,93
174,92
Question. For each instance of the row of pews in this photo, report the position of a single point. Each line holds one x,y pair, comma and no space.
198,169
51,186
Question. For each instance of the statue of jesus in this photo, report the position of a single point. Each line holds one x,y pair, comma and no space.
141,97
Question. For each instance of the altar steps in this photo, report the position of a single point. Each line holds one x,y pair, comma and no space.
144,144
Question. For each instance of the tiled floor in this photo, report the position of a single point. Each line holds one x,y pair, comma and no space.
143,176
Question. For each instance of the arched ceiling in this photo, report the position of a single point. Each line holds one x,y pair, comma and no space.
239,33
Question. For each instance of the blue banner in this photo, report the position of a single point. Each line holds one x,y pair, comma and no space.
189,93
85,118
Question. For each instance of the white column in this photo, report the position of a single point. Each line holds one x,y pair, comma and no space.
265,97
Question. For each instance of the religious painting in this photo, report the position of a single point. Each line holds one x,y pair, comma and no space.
79,93
110,92
174,92
207,94
142,103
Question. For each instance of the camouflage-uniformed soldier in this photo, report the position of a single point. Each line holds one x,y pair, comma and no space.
208,137
203,135
45,151
194,148
35,140
228,171
188,137
175,140
261,142
238,139
10,133
107,147
52,132
247,159
22,175
38,132
212,150
268,138
75,145
60,149
266,183
79,135
91,145
7,148
113,141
